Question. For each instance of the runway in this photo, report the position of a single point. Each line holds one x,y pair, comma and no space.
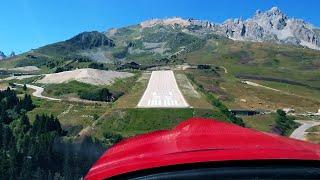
162,92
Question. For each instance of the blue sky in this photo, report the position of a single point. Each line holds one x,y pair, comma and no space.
27,24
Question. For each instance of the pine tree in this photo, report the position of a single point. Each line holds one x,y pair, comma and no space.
284,123
24,87
36,128
4,115
26,169
25,122
11,99
7,138
27,103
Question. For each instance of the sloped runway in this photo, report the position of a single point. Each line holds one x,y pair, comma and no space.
162,92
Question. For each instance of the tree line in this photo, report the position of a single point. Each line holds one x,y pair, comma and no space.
101,94
39,150
285,124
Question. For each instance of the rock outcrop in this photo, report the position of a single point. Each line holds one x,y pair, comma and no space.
89,40
272,25
269,26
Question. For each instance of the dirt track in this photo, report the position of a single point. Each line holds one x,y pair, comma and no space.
162,91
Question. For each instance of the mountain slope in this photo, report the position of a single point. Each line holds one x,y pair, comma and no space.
269,26
81,42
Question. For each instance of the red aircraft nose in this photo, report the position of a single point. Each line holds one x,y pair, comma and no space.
198,140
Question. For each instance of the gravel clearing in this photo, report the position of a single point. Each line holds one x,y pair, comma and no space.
162,91
89,76
25,69
20,77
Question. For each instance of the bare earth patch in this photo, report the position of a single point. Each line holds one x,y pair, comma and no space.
23,69
90,76
20,77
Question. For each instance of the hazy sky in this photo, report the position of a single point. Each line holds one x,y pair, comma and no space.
27,24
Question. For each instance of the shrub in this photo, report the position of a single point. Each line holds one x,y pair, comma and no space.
95,65
284,123
102,94
112,138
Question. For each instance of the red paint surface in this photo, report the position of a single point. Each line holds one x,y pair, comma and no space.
198,140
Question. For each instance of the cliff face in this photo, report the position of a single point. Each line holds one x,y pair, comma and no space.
269,26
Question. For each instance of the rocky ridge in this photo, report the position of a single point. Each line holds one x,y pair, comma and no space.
269,26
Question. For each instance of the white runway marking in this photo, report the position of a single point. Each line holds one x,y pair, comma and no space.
162,91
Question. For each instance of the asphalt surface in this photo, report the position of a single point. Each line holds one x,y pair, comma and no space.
162,92
38,92
300,132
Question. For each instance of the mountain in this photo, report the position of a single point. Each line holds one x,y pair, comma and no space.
158,38
89,40
81,42
2,55
157,41
272,26
154,39
12,54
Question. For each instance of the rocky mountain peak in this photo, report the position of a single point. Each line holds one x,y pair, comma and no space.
272,25
2,55
12,54
201,23
272,18
168,21
274,11
89,40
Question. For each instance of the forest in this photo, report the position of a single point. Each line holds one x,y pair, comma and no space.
39,150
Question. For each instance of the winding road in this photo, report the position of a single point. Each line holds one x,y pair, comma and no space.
300,132
38,92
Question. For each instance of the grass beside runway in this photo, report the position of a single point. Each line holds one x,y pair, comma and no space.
132,121
134,94
193,97
313,137
263,122
282,63
72,116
